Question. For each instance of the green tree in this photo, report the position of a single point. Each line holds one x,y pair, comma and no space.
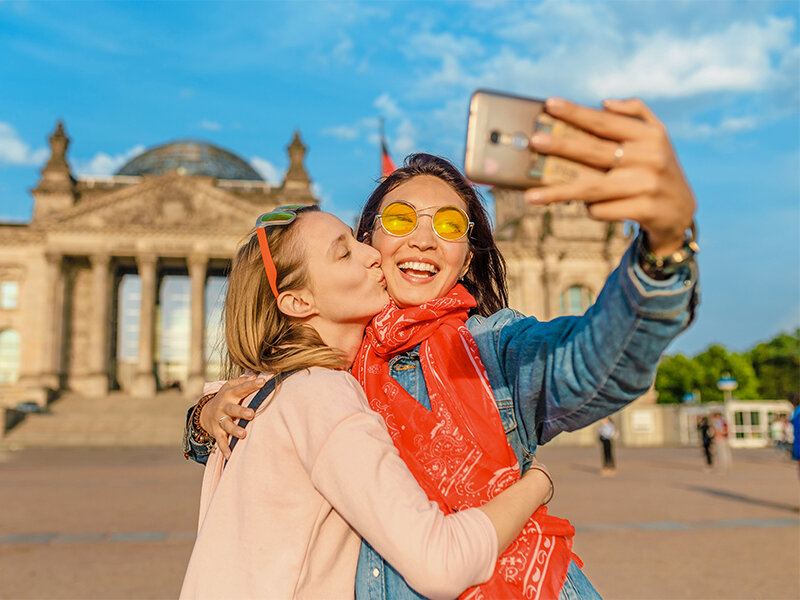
716,361
777,365
677,375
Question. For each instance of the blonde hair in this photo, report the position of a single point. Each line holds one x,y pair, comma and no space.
258,336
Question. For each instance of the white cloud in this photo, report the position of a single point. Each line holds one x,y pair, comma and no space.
737,59
210,125
102,164
268,171
343,51
700,131
387,106
442,44
342,132
14,151
406,140
321,195
577,58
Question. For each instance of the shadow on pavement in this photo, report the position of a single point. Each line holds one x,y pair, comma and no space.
740,497
585,469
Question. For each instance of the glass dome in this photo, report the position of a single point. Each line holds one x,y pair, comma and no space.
195,158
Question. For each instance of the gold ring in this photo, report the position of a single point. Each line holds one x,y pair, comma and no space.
222,418
619,152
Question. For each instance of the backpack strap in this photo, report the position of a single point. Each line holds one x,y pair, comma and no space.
258,399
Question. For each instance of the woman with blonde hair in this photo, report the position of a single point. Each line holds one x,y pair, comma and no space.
281,517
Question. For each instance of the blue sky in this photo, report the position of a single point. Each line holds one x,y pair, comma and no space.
723,76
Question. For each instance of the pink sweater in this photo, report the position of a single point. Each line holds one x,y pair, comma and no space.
317,469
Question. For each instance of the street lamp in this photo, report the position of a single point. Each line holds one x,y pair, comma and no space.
726,384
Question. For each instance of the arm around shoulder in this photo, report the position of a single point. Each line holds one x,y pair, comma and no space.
355,466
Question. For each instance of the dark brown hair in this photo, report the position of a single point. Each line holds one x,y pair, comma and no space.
486,277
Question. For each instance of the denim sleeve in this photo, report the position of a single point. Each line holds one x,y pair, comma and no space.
192,450
565,374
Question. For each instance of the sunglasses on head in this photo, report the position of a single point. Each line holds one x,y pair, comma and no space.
282,215
400,218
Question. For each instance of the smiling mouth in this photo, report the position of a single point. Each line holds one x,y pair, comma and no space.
418,269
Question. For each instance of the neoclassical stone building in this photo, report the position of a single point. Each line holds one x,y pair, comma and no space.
180,210
177,209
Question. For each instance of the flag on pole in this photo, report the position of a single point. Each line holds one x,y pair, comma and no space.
387,164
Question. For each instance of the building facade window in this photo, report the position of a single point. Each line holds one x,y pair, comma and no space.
9,356
9,294
575,300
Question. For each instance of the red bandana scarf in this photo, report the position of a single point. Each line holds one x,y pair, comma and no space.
458,450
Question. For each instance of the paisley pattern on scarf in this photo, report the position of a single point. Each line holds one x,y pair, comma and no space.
458,451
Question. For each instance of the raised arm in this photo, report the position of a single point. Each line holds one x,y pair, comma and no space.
564,374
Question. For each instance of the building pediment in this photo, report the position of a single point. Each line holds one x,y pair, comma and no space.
163,203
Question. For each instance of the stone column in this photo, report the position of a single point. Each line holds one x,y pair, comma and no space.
39,376
197,339
550,280
54,321
97,381
145,384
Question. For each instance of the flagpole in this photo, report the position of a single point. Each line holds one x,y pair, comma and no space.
380,154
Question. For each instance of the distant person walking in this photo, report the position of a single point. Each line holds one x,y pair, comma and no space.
721,448
607,432
778,434
707,439
788,435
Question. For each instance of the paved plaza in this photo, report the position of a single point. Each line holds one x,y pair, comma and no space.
119,523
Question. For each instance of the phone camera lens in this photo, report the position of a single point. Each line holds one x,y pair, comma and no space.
520,141
494,136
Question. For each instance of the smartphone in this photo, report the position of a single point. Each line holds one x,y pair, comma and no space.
497,150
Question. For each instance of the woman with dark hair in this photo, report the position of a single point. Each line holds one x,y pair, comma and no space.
458,376
288,317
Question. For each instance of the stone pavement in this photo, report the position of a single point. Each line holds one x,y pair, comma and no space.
119,522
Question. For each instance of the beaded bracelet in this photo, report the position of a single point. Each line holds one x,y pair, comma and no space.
661,268
200,435
195,431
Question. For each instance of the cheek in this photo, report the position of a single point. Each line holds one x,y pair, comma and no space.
385,245
457,258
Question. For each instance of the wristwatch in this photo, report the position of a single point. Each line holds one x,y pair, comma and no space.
663,267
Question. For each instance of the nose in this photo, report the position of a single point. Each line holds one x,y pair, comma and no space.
423,237
372,258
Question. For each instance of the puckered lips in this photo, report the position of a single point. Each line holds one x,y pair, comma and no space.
418,270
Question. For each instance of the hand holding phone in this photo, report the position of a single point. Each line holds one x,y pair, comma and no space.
498,148
634,172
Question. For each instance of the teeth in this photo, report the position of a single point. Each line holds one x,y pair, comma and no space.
418,266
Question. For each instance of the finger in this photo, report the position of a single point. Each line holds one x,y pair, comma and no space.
635,208
230,427
231,383
633,107
245,388
224,445
237,411
617,183
603,123
590,151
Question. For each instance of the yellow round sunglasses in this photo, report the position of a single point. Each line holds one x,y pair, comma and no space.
400,218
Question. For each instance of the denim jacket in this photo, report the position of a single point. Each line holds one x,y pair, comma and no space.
559,375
